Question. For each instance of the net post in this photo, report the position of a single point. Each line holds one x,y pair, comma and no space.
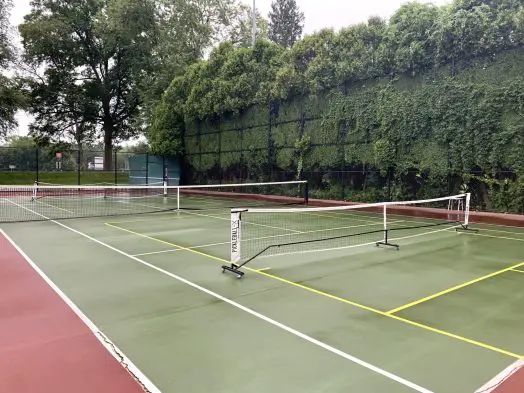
236,243
466,209
37,165
115,167
465,225
34,191
386,242
165,189
306,193
178,198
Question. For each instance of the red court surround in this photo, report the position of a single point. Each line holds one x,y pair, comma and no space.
44,346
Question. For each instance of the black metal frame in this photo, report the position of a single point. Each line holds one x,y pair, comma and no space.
235,268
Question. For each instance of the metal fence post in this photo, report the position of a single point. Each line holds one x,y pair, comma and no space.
164,170
147,169
116,167
37,163
78,166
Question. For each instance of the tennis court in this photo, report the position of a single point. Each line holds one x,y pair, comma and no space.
443,313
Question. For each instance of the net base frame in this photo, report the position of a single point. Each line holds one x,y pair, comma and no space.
235,268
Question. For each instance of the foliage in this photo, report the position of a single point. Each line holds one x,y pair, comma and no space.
94,53
286,22
241,32
186,32
7,51
413,106
11,95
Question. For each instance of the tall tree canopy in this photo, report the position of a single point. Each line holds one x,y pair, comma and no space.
241,34
187,30
10,93
94,54
286,22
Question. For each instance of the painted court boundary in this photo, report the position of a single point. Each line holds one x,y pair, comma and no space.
333,297
256,314
457,287
497,381
119,356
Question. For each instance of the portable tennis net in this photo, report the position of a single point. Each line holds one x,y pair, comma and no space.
44,202
267,232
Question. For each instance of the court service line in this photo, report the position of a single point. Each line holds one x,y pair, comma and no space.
254,313
492,236
55,207
224,218
271,237
110,347
337,298
246,222
455,288
337,215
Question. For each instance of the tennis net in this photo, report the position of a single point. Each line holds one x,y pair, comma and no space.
43,202
261,233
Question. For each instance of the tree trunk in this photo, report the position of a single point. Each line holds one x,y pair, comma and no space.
108,146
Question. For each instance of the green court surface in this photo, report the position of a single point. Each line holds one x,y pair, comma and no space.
442,314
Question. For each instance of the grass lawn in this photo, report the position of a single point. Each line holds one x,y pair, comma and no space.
91,177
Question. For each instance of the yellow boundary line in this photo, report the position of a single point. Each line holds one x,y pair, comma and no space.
333,297
518,271
455,288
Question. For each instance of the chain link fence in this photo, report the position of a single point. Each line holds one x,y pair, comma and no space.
27,165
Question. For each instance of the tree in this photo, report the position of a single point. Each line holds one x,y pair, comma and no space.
286,22
241,32
412,32
187,32
11,97
19,152
63,111
94,53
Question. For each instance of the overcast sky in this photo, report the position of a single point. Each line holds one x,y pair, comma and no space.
318,14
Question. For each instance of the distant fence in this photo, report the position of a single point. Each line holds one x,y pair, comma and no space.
26,165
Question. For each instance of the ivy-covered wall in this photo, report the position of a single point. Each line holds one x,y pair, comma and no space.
441,132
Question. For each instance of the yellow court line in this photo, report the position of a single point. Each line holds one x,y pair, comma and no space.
333,297
518,271
455,288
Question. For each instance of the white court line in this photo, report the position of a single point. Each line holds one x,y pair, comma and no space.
55,207
504,375
352,246
122,359
246,222
378,219
337,215
221,218
256,314
252,239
